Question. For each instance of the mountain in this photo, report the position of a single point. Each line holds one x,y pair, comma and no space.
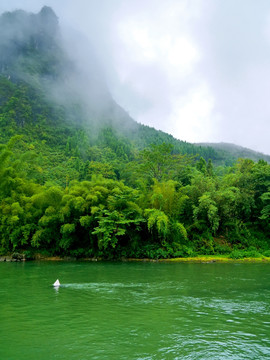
237,151
80,177
44,85
33,53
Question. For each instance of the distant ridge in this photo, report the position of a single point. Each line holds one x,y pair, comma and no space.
237,151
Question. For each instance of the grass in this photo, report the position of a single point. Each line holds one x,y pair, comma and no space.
217,258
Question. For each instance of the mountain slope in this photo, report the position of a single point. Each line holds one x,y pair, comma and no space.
237,151
79,177
43,85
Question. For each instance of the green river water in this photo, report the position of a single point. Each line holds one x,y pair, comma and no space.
107,310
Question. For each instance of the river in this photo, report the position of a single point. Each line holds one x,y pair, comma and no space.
113,310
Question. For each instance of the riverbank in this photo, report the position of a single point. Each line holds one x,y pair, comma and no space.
204,259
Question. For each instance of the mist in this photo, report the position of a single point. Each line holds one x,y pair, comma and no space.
196,69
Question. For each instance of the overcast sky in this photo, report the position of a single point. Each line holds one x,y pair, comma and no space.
197,69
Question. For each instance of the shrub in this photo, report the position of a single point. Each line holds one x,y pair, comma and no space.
3,251
237,254
266,253
29,255
222,249
241,254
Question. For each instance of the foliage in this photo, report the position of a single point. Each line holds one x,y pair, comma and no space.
102,216
241,254
95,183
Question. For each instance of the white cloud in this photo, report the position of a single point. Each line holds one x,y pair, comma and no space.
192,115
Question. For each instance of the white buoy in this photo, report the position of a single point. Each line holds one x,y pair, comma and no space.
57,283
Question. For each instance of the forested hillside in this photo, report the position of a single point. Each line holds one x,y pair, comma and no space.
237,151
79,177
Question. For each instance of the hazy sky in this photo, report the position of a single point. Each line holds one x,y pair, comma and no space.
197,69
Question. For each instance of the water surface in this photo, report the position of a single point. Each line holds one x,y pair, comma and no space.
134,311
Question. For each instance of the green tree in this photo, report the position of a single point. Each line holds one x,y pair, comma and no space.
207,213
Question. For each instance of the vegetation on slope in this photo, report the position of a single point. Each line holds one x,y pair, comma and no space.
237,151
85,181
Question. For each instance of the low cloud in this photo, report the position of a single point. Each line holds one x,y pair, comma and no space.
196,69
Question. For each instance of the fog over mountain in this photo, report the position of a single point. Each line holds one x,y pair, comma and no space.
196,69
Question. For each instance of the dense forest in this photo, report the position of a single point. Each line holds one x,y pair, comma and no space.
85,180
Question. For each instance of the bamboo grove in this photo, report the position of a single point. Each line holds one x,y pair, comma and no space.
158,205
